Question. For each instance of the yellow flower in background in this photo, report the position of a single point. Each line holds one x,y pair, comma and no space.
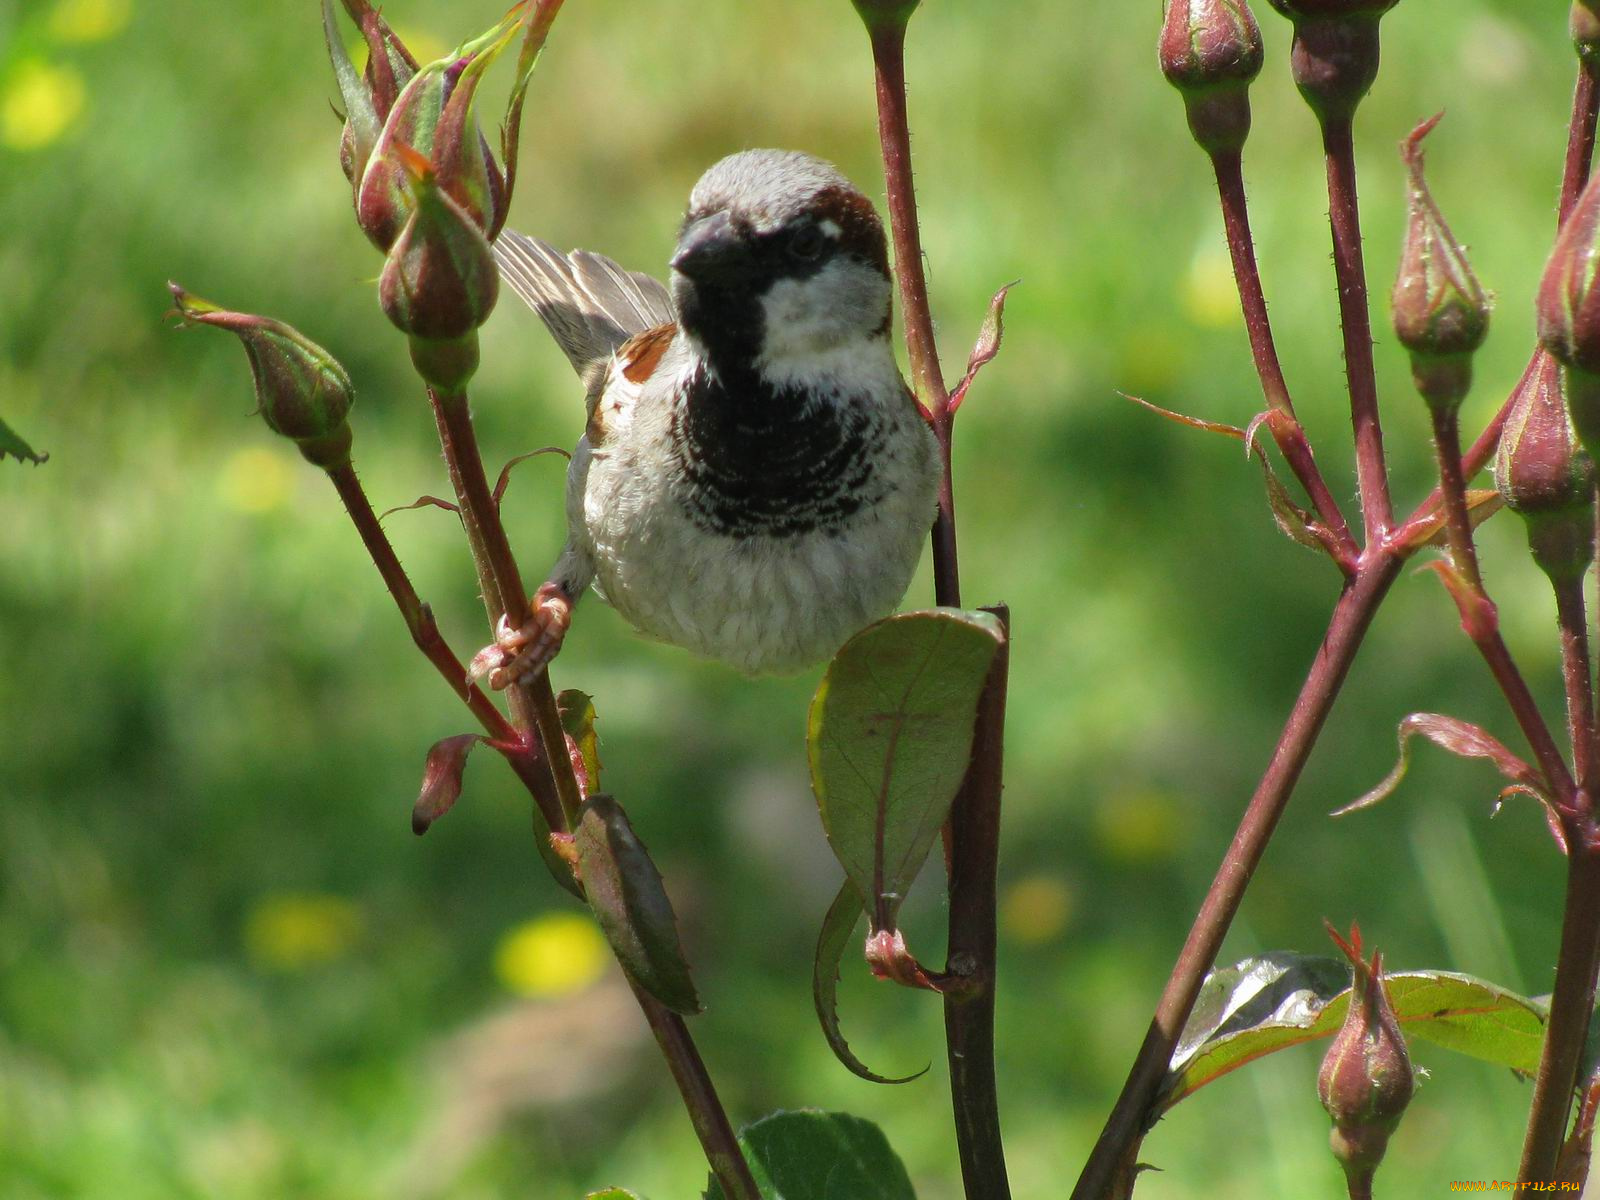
39,102
1036,909
293,931
1209,298
89,20
552,955
256,480
1138,828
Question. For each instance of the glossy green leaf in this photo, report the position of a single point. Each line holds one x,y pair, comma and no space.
625,890
889,739
838,928
1265,1004
11,443
814,1155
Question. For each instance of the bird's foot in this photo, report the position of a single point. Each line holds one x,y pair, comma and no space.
519,654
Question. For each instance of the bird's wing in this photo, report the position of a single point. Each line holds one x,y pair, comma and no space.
590,304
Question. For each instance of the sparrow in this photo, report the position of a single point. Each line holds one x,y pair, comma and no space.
755,481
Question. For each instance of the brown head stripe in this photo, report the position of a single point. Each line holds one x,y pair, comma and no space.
861,233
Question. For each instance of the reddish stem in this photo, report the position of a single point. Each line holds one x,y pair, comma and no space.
1580,139
1576,673
1571,1011
1347,627
1284,425
534,706
1453,493
1355,322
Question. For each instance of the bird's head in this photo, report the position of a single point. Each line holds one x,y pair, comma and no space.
781,262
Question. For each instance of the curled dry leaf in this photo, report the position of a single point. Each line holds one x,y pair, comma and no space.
1463,740
504,480
441,780
421,502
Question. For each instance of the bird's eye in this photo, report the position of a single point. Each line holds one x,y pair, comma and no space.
806,243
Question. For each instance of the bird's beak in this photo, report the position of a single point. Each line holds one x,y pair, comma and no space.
709,246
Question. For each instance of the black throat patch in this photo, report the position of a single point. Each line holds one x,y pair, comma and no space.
752,459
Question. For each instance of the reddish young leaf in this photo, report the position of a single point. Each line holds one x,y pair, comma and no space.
505,471
1461,739
420,502
988,344
441,780
838,930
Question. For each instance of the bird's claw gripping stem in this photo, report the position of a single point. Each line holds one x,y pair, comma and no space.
519,654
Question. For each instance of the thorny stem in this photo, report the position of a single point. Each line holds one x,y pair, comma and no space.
1575,673
534,706
894,135
1284,425
1355,322
973,829
1580,139
425,633
1453,492
1126,1125
1571,1009
1346,629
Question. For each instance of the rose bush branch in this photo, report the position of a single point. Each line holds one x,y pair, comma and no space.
972,833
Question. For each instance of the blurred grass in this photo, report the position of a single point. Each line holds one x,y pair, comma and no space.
227,968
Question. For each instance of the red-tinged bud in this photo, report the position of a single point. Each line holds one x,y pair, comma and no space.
439,282
1569,313
1544,474
304,394
1210,51
1366,1080
1585,26
434,115
1334,57
1441,312
369,95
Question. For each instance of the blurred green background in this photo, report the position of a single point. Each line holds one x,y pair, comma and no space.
227,968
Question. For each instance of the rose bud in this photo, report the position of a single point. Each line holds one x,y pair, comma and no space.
369,95
1545,475
304,394
1334,58
1440,312
434,115
439,282
1584,25
1569,313
1366,1080
1210,50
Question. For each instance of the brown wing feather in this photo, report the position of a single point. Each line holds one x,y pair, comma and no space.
636,359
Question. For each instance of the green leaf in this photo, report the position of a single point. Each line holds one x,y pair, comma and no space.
1265,1004
577,722
12,444
814,1155
837,930
889,739
614,1194
625,890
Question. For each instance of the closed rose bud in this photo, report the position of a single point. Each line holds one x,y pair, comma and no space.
434,115
1366,1080
303,392
1440,311
1334,57
1569,313
439,282
1543,474
368,95
1210,50
1585,27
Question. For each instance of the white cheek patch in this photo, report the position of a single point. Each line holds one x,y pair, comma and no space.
831,228
845,301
